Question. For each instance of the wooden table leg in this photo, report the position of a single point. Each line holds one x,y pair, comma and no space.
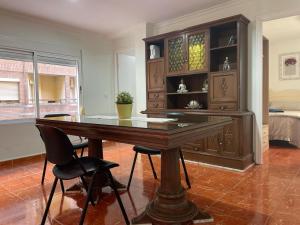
170,204
95,148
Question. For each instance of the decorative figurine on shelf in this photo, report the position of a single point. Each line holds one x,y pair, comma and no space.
205,85
154,52
226,65
182,87
193,104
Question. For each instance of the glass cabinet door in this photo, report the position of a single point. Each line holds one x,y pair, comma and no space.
176,54
197,45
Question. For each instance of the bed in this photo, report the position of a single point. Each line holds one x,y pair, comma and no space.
285,126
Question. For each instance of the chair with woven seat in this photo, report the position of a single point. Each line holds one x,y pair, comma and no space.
68,166
80,144
149,152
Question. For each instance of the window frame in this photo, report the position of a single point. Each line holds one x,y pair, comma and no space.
35,60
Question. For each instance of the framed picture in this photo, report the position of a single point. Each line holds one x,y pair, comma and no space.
289,66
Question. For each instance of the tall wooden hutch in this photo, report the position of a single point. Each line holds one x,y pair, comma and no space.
196,56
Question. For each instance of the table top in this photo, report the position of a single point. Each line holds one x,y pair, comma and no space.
169,123
148,132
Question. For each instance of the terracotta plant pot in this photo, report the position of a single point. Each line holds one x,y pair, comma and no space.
124,111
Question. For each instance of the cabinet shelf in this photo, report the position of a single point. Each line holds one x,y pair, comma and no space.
223,47
223,72
187,74
188,93
156,59
188,110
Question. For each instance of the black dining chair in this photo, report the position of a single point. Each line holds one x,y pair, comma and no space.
80,144
68,166
149,152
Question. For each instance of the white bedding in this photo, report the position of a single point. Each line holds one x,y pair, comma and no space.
285,126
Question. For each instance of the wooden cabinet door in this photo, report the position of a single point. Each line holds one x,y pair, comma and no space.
155,75
223,87
231,138
215,142
175,55
197,51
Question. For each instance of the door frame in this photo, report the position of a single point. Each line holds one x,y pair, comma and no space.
129,52
256,81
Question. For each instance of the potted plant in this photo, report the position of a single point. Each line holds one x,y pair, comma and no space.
124,105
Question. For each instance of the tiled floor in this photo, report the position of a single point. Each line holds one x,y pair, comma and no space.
264,195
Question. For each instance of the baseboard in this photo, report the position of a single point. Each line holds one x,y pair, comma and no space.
238,164
36,157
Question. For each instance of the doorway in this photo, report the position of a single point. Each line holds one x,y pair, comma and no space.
126,75
281,83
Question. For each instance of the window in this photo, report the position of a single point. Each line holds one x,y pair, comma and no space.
54,81
57,85
9,90
15,69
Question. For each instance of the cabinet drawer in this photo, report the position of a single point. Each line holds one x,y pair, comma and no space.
156,96
197,146
194,148
223,107
156,105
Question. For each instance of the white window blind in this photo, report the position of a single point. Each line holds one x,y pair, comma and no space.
56,61
9,90
16,55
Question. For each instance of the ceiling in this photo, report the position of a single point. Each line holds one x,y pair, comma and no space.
106,16
282,29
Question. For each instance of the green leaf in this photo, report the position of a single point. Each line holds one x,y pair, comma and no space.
124,97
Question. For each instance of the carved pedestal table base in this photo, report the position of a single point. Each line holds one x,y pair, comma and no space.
170,205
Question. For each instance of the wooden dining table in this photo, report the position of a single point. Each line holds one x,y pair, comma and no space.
170,204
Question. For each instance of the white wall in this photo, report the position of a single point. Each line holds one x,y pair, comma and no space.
19,140
276,49
283,93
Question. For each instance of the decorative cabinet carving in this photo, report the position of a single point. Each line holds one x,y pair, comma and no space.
223,90
231,143
215,142
156,96
156,105
156,77
187,53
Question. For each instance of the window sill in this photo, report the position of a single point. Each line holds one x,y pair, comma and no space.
18,121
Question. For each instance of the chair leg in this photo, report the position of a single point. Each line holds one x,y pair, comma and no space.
113,186
87,189
132,169
82,151
49,201
44,170
62,186
86,204
185,170
152,166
